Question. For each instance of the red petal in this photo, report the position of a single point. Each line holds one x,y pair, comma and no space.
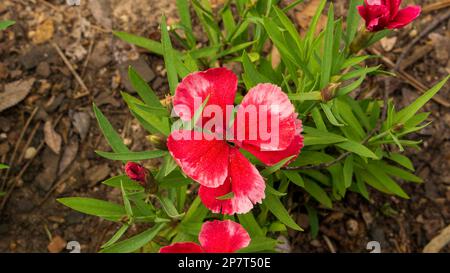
203,160
187,247
263,105
376,16
393,6
272,157
219,83
244,181
404,17
223,237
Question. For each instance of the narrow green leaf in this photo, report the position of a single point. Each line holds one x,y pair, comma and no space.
276,207
384,179
317,193
357,148
100,208
132,156
135,242
259,244
408,112
110,134
276,167
314,136
348,171
169,58
313,221
127,183
295,177
121,231
143,89
3,166
5,24
270,190
150,45
327,49
248,221
169,207
402,160
353,19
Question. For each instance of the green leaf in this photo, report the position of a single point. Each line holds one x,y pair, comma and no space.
143,89
5,24
313,221
135,242
110,134
317,193
349,88
227,196
386,181
348,171
126,202
276,207
329,114
408,112
327,49
3,166
169,57
248,221
2,193
150,45
270,170
169,207
91,206
357,148
400,173
295,177
314,136
270,190
132,156
127,183
353,19
402,160
259,244
121,231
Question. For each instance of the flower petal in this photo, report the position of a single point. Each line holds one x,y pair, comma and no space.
265,119
273,157
220,84
223,236
186,247
393,7
244,181
404,17
201,157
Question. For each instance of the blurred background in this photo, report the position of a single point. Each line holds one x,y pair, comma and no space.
60,59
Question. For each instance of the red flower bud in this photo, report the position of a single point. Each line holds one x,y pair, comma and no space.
136,172
382,14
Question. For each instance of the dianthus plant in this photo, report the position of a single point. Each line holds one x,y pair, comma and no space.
244,129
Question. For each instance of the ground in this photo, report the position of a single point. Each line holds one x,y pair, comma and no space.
50,136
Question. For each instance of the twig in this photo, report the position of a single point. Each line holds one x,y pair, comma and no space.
436,6
72,70
438,242
16,147
329,244
424,33
408,78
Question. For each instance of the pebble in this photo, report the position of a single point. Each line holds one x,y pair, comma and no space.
30,153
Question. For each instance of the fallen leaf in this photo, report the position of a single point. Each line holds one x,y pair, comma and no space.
15,92
275,56
56,245
306,13
52,138
98,173
70,153
388,43
81,122
44,32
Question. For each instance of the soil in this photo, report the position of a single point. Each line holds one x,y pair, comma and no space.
50,134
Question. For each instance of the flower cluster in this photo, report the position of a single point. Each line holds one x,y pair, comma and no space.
382,14
214,160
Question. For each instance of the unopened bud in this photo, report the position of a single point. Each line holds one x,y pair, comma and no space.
159,141
329,92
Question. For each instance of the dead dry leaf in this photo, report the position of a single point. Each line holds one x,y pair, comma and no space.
56,245
52,138
388,43
69,155
306,13
15,92
43,33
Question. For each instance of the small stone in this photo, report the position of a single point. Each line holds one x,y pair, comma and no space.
30,153
43,69
316,243
56,245
141,67
352,227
